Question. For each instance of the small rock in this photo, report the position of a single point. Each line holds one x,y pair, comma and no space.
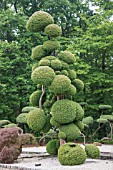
38,164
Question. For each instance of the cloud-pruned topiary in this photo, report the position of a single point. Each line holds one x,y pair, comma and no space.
51,45
80,125
61,135
35,97
53,30
71,130
64,111
21,118
71,154
102,120
67,57
71,90
27,109
52,147
54,123
78,84
10,125
104,107
38,52
43,75
79,112
72,74
107,117
36,119
56,64
44,62
38,21
4,122
88,120
60,84
92,151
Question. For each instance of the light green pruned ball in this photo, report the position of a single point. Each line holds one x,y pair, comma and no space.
79,112
80,125
51,45
54,123
38,52
44,62
67,57
53,30
72,74
43,75
101,120
60,84
104,107
27,109
92,151
65,66
64,111
36,119
71,154
56,64
10,125
78,84
107,117
64,72
88,120
71,90
53,146
35,97
21,118
4,122
38,21
71,130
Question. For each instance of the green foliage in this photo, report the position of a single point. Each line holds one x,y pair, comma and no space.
79,112
64,72
51,45
71,154
10,125
36,119
64,111
78,84
21,118
92,151
47,125
27,109
54,123
88,120
38,52
53,30
61,135
71,130
52,147
72,74
38,21
102,120
44,62
60,84
35,97
4,122
56,64
43,75
104,107
67,57
71,90
65,66
80,125
107,117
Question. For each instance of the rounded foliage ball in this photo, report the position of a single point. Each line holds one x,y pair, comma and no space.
53,30
61,135
60,84
71,90
71,154
80,125
79,112
64,72
92,151
35,97
78,84
43,75
67,57
72,74
63,111
38,21
51,45
71,130
65,66
21,118
54,123
44,62
27,109
88,120
52,147
36,119
105,107
56,64
38,52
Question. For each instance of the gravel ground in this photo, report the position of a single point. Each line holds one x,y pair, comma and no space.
52,163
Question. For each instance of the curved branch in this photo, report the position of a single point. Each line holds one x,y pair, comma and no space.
40,101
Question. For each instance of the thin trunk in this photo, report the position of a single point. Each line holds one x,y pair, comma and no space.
40,101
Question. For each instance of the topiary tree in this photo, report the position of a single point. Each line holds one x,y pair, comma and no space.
56,83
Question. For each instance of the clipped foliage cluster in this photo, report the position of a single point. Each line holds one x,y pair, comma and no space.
21,118
4,122
38,52
51,46
88,120
67,57
53,146
71,154
104,107
53,30
35,97
92,151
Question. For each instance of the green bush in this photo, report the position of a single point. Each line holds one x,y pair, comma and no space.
36,119
51,45
44,62
60,84
65,66
71,154
92,151
38,52
52,147
72,74
71,90
43,75
35,97
10,125
67,57
21,118
71,130
78,84
27,109
63,111
107,117
38,21
4,122
101,120
88,120
104,107
53,30
54,123
80,125
61,135
64,72
79,112
56,64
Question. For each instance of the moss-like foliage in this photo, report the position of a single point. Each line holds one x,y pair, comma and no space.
51,45
21,118
38,21
92,151
44,62
101,120
56,64
10,125
64,111
54,123
107,117
72,74
65,66
4,122
80,125
43,75
53,30
71,154
71,90
71,130
88,120
67,57
35,66
38,52
35,97
64,72
61,135
79,112
52,147
78,84
47,125
60,84
36,119
104,107
27,109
